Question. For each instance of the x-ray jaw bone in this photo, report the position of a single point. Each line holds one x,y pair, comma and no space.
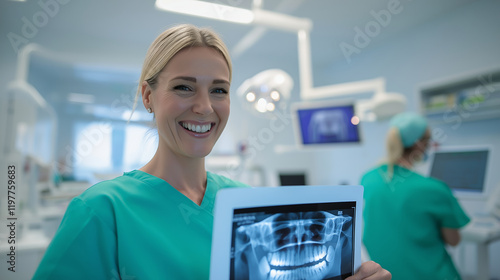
329,124
303,245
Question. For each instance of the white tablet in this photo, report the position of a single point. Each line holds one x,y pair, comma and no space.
291,232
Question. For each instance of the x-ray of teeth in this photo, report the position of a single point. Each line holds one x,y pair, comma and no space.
295,245
328,125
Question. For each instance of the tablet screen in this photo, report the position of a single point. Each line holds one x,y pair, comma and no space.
300,241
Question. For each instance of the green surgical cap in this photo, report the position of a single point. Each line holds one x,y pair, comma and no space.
411,127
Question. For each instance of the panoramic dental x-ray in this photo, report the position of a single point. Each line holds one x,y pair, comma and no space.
310,245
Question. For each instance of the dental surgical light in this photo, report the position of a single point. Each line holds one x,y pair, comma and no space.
250,97
266,91
385,105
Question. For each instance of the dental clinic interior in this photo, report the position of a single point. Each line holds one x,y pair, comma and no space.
68,79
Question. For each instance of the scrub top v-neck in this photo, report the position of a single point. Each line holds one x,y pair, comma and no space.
136,226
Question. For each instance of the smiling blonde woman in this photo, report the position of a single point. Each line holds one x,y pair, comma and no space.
156,222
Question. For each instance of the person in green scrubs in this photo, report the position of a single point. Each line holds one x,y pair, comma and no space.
156,222
409,218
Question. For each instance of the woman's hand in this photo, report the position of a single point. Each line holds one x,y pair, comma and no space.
371,271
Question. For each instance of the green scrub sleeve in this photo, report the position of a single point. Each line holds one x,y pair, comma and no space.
451,213
85,248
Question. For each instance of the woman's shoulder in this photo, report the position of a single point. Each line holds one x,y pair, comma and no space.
439,185
430,181
426,184
110,189
100,200
225,182
374,172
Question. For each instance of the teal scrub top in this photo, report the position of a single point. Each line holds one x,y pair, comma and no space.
403,221
136,226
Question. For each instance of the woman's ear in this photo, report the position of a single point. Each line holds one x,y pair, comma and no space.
146,96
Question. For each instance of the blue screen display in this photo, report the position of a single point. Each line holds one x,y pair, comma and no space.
327,125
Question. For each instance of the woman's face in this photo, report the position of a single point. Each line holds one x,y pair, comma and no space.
191,101
420,148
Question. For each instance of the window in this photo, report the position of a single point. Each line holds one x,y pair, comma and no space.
110,148
140,146
91,149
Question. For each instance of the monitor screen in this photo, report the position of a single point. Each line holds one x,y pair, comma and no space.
300,241
320,124
462,170
293,179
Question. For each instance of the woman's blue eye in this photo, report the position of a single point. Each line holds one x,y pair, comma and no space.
219,90
181,87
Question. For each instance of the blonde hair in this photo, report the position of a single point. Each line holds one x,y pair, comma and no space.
395,150
172,41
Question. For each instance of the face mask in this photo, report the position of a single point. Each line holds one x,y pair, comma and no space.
425,156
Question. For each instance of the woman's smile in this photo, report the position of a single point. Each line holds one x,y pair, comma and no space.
197,129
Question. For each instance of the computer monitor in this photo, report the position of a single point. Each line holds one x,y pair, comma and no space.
322,124
292,179
462,168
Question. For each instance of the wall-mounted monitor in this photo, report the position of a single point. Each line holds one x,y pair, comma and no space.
320,124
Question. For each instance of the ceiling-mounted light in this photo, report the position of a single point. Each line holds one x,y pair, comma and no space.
261,105
266,91
385,105
275,95
207,10
250,97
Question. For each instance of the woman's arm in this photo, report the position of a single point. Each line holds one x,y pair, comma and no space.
84,247
451,236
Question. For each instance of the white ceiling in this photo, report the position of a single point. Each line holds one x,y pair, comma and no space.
116,33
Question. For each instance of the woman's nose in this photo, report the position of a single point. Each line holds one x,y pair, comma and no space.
202,103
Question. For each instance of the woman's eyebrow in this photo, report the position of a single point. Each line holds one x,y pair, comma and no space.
193,79
190,79
221,82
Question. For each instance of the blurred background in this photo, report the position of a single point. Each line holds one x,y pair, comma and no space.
69,72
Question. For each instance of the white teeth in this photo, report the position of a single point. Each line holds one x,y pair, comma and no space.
264,266
330,254
315,272
197,128
289,257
